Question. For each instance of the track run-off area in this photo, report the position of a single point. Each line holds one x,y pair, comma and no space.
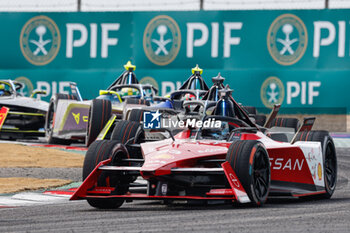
54,213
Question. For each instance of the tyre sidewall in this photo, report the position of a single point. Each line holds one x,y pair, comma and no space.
328,141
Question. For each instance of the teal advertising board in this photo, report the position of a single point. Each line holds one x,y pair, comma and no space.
298,58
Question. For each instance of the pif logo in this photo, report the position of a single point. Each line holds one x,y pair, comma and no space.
40,40
162,40
272,92
287,39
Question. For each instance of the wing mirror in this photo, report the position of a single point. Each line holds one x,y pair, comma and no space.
38,92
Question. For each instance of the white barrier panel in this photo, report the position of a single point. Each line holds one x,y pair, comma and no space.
339,4
262,4
140,5
164,5
38,5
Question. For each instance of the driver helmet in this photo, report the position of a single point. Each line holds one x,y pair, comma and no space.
2,87
127,91
189,96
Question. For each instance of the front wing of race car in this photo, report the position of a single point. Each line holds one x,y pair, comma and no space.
296,170
88,190
16,124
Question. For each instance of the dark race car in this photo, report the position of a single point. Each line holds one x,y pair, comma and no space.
227,160
192,99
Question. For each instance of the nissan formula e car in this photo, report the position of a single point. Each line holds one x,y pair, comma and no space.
20,117
230,160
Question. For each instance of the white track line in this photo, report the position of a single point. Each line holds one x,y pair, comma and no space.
31,198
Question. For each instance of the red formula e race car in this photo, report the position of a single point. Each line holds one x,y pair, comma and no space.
228,160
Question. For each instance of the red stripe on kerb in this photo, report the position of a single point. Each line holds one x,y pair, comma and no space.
60,192
3,206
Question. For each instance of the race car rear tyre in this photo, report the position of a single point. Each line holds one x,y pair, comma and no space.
329,158
129,130
260,119
50,117
136,115
137,101
251,110
99,113
286,122
250,162
97,152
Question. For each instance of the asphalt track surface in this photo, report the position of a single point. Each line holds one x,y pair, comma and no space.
278,215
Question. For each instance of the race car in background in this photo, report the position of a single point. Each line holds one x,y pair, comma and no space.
234,162
20,117
192,99
70,118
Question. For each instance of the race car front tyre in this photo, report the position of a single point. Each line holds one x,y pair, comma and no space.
50,118
101,150
99,113
249,160
329,158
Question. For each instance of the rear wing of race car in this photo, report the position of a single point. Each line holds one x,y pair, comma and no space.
272,115
305,127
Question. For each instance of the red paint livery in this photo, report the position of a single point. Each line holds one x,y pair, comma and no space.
165,161
239,162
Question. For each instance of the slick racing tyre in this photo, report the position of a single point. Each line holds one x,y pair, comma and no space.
128,130
137,101
250,162
99,113
136,115
329,158
97,152
131,131
286,122
50,118
250,110
260,119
